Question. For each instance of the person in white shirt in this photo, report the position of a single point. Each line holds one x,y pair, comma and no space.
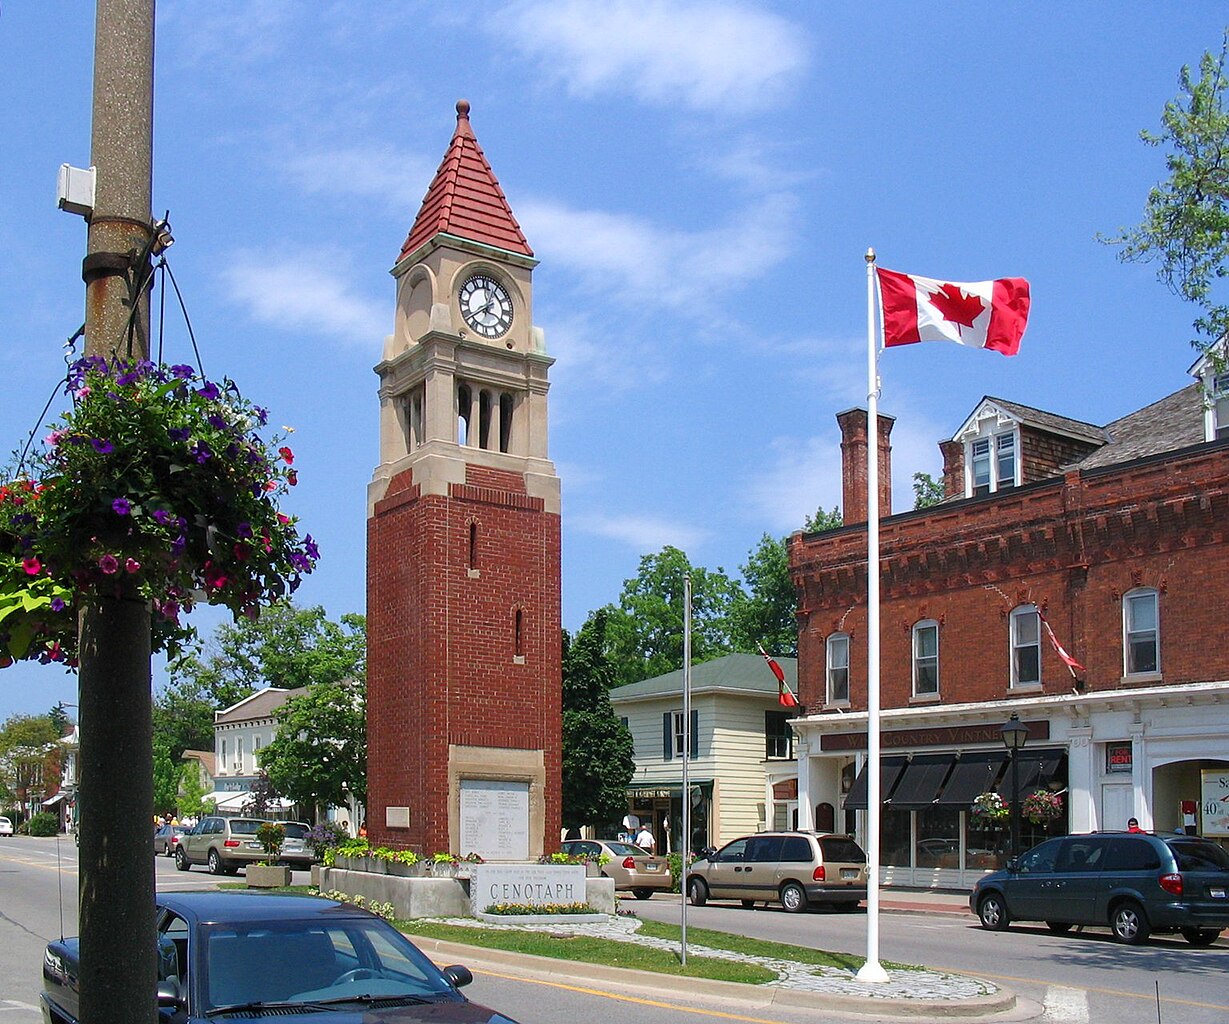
644,839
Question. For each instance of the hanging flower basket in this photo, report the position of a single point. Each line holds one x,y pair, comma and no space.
155,485
989,808
1042,806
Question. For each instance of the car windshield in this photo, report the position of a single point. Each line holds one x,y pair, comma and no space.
245,827
625,850
315,960
294,829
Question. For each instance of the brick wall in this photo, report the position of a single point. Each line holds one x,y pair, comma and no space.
447,576
1072,546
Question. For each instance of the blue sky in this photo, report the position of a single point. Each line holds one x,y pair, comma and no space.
700,180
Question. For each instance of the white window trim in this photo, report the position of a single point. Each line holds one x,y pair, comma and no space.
676,730
1216,391
1126,635
913,659
832,699
991,438
1016,614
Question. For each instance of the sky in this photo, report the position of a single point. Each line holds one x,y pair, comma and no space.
700,180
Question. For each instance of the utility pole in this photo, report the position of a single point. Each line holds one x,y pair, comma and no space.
117,928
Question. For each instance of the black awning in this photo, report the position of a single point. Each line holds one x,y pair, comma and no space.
890,768
974,774
923,779
1037,767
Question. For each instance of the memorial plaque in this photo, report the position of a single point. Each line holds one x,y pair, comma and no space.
531,884
495,819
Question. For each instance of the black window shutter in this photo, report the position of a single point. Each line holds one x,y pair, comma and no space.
667,737
695,734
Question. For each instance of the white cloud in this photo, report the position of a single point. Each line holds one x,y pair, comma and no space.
296,293
396,180
641,532
713,56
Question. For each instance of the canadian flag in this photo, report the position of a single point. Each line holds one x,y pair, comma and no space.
981,314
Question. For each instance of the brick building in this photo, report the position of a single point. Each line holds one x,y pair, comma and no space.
463,539
1113,537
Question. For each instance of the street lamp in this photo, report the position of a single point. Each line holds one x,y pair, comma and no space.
1015,735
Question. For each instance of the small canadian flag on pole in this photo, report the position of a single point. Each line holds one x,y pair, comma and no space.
785,695
980,314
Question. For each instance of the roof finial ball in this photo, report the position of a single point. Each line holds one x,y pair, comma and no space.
462,110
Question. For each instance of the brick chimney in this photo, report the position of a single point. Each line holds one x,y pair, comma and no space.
953,468
853,424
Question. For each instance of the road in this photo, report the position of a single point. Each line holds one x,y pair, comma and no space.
1076,978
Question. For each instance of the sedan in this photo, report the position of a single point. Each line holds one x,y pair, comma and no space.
167,838
6,827
633,869
227,954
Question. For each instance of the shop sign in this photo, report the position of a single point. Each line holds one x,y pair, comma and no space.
1118,757
1215,802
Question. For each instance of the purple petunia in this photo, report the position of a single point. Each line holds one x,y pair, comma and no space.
244,530
57,604
121,506
101,446
262,414
209,391
309,546
109,564
201,451
162,517
179,433
182,371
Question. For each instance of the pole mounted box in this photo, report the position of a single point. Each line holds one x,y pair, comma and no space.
75,189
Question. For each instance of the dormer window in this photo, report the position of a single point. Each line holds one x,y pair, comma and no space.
992,463
1218,428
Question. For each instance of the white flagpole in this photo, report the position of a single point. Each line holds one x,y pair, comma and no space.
872,970
685,842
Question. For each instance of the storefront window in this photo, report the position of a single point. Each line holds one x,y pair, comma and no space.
894,838
938,837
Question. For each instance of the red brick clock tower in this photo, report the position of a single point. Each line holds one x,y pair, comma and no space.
463,539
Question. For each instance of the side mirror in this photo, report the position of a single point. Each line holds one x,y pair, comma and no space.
1013,864
458,975
169,993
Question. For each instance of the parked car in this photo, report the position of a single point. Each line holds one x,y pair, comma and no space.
794,868
167,838
633,869
1134,883
223,844
6,827
295,851
226,955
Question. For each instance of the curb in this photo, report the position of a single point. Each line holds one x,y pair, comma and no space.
763,996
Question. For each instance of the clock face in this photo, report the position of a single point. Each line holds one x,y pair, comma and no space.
486,306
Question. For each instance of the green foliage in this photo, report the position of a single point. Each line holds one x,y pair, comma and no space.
192,792
44,823
764,614
1186,217
29,760
167,775
646,631
597,748
822,521
319,755
536,909
927,491
271,835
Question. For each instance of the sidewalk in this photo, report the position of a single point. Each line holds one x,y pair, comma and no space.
925,901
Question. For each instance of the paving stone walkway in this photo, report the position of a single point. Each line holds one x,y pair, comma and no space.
901,984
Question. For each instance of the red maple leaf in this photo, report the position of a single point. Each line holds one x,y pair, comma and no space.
956,306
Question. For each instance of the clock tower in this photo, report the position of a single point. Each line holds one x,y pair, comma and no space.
463,539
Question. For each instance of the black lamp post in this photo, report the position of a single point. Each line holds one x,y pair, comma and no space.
1015,735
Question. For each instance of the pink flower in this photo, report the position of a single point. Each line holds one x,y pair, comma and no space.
109,564
131,565
286,454
32,566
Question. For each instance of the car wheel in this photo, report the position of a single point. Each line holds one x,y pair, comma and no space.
697,892
215,863
1128,923
1200,936
181,860
793,897
993,912
643,894
1059,927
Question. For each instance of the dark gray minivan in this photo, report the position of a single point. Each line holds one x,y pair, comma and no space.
1135,883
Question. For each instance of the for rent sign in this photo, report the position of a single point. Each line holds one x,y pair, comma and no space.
537,885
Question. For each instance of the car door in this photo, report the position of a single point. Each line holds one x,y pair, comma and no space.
1077,877
1028,888
762,869
726,870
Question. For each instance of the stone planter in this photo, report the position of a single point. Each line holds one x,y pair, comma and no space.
440,868
316,876
402,870
267,876
593,869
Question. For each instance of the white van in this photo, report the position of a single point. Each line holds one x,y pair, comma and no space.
6,827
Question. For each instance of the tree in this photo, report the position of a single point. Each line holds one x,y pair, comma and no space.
646,631
1186,217
822,521
192,791
764,612
597,747
319,755
927,491
29,762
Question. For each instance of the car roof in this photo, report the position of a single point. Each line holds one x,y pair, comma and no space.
241,907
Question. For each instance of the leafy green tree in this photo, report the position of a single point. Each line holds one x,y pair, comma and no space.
319,755
192,792
764,612
646,630
1186,217
29,761
167,773
927,491
597,747
822,521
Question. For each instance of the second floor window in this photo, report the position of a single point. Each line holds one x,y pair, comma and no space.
838,668
926,659
1025,646
672,734
992,463
778,737
1141,632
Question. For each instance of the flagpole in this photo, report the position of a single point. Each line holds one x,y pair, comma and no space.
872,970
685,843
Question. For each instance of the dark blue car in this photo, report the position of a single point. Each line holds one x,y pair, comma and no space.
233,955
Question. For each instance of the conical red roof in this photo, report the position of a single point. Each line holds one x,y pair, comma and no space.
465,198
